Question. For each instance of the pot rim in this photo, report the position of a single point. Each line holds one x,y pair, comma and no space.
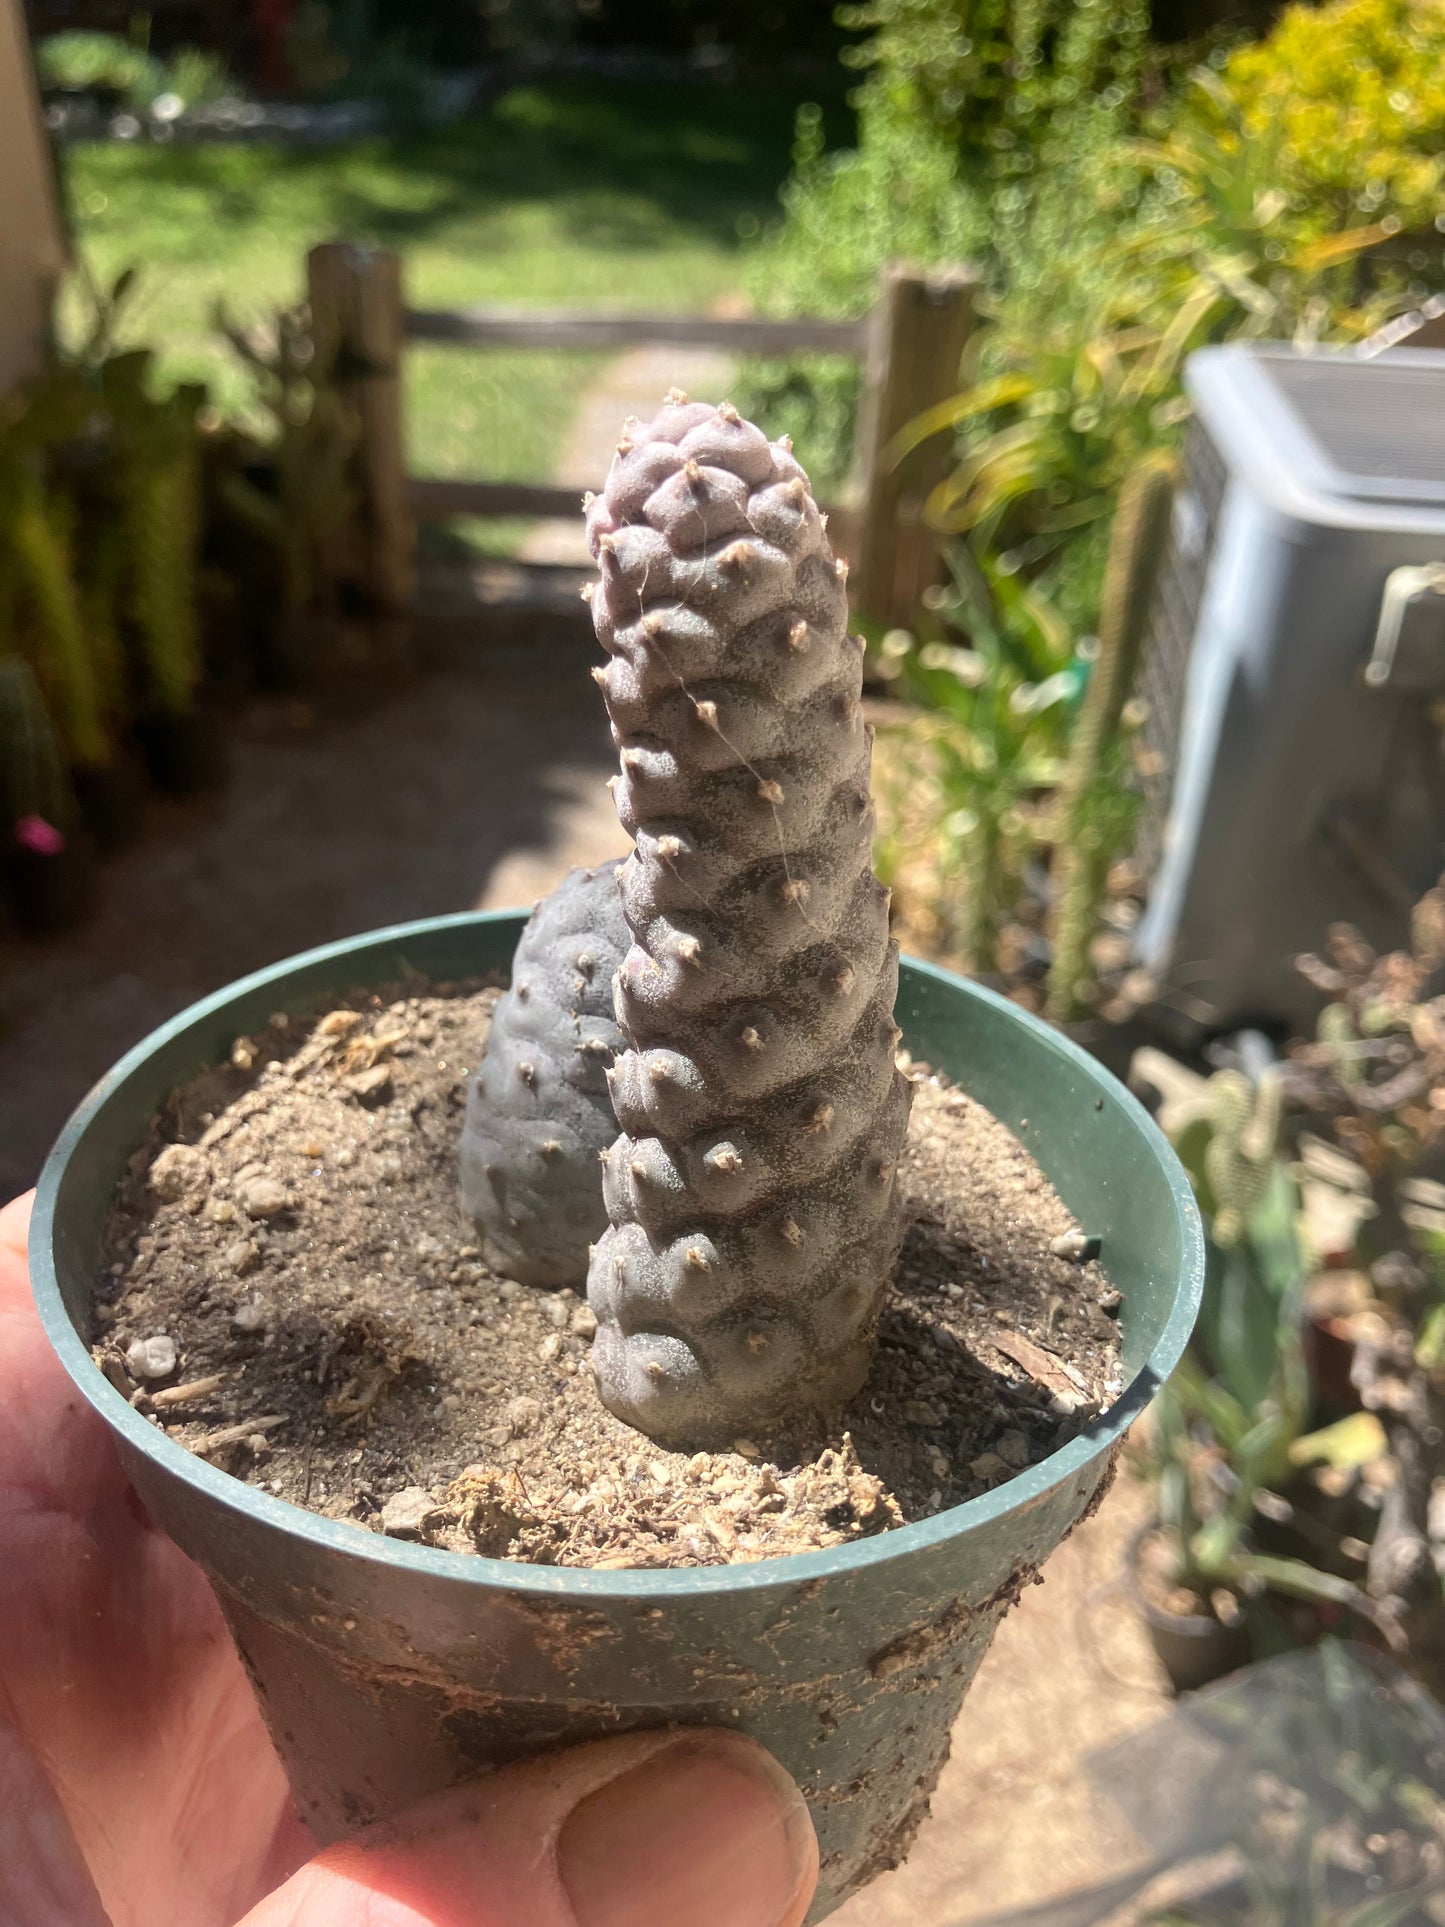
646,1584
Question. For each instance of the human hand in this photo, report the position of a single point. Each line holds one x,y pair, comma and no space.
138,1787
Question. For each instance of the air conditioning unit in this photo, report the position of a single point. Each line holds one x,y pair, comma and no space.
1295,674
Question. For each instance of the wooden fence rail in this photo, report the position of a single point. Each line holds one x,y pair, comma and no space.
910,345
556,328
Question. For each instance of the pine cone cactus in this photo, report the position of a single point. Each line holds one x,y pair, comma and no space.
752,1193
538,1113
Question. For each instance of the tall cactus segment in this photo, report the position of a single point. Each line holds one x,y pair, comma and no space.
538,1112
752,1194
1090,819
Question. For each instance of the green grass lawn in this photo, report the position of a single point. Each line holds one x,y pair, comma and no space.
584,194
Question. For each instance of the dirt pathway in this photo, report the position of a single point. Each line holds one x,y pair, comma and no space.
632,384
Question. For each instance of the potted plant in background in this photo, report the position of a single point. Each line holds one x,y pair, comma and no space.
754,1212
1241,1560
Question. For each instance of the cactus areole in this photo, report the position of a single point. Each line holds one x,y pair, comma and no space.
752,1196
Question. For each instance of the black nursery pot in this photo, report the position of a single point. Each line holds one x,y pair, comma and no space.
185,751
112,799
387,1670
1195,1649
48,892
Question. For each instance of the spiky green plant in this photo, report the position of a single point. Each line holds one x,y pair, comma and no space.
1231,1423
33,777
48,609
314,433
163,518
1091,824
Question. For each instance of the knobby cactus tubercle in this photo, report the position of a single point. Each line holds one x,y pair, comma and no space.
752,1195
538,1113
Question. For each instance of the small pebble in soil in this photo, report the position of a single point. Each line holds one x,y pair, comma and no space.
249,1315
153,1357
179,1168
242,1256
523,1413
404,1515
1072,1245
262,1197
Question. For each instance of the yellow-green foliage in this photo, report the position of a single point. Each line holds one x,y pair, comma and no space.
45,579
1354,95
33,779
1095,818
163,519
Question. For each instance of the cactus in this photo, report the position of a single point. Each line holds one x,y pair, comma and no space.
163,523
45,578
752,1194
1092,826
538,1113
1240,1156
100,597
33,778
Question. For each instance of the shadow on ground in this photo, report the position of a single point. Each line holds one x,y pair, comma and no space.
478,784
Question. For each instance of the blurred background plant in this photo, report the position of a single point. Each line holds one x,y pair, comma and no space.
1238,1548
291,484
127,589
1307,1423
1124,206
121,71
966,766
1373,1082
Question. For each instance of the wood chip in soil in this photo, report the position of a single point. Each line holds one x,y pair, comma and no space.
291,1228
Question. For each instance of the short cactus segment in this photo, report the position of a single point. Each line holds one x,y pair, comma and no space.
1240,1156
538,1113
752,1194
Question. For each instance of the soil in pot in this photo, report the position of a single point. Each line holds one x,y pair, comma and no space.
291,1290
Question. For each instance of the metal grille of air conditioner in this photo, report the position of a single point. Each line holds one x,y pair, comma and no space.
1380,426
1165,666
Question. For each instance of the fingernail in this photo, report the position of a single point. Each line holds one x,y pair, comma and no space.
710,1832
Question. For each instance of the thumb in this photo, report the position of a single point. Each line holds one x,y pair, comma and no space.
687,1828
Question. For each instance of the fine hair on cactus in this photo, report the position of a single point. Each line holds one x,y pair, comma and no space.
752,1196
538,1111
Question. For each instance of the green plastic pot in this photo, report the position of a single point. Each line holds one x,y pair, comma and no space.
387,1669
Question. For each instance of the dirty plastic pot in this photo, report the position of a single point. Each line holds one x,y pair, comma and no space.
388,1669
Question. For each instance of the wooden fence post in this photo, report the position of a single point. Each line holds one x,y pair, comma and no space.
916,340
358,315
